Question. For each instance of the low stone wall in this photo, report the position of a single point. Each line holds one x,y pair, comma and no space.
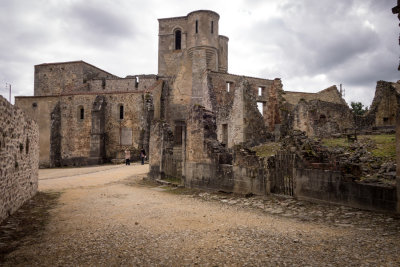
332,187
19,158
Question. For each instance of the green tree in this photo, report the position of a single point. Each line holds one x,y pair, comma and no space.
358,108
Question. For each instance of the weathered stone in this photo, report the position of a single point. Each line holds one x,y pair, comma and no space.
19,158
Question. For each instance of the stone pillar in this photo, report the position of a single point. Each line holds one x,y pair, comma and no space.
97,145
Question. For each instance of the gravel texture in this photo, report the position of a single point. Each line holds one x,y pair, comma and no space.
108,216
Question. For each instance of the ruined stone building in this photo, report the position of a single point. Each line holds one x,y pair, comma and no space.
89,116
197,120
317,114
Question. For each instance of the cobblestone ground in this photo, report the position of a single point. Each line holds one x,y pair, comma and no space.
108,216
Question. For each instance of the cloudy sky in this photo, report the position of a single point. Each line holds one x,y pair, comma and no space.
309,44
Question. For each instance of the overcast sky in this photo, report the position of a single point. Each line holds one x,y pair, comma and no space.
309,44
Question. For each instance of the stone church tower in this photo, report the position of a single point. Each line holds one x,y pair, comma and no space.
189,46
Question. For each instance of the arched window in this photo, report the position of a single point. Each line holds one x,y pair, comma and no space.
178,39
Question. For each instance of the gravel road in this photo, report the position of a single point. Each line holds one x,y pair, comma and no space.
106,216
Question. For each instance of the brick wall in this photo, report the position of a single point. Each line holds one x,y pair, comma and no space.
19,158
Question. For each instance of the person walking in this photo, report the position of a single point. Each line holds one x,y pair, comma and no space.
127,157
142,155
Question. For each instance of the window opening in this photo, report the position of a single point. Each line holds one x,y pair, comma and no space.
27,146
228,87
197,26
82,113
178,37
225,134
103,83
260,91
121,112
136,82
178,134
260,107
212,26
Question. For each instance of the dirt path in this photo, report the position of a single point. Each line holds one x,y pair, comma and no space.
105,216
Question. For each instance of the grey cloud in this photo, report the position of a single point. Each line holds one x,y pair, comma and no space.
380,66
102,21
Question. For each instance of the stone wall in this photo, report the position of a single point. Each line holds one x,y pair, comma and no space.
320,118
40,109
55,78
19,158
129,84
236,108
66,125
333,187
209,165
129,132
385,104
330,94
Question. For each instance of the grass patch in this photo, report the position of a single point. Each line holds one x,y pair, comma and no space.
385,146
335,142
266,150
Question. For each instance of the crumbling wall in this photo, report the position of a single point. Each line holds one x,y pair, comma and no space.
19,158
330,94
209,164
385,105
238,118
328,176
320,118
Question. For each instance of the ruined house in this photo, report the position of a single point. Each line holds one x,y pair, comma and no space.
317,114
383,110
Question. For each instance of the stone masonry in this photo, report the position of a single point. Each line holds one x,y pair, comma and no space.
19,158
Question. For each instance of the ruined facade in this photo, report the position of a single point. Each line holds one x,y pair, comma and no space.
206,111
87,115
384,108
19,151
317,114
